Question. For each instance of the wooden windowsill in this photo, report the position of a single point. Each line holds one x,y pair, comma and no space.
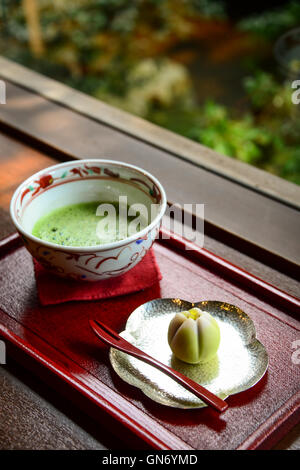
179,146
245,208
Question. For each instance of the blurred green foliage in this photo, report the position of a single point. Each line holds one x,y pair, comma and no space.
274,22
124,52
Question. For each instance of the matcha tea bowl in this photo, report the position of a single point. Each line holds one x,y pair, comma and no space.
89,219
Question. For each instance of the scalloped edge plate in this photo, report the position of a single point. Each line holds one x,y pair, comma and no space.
239,364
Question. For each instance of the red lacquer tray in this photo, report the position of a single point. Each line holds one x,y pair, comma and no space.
57,343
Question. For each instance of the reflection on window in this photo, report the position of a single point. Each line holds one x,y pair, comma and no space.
200,68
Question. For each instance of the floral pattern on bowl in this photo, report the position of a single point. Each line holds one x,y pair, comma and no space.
72,182
45,180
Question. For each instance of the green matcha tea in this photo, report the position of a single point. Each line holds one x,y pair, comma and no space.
76,225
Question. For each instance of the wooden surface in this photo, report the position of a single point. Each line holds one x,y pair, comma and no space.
45,420
145,131
243,213
19,161
33,417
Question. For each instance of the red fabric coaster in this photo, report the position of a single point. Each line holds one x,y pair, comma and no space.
54,290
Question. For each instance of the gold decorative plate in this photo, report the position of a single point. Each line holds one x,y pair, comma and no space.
241,360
